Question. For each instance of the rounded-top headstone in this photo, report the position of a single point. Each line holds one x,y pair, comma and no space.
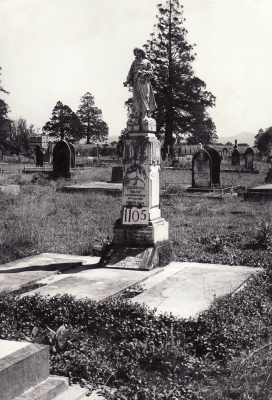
201,169
216,161
73,155
62,159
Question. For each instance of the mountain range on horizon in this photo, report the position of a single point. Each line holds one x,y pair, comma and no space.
243,137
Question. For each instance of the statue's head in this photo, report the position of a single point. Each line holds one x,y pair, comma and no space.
137,51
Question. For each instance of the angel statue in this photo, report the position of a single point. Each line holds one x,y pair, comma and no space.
139,76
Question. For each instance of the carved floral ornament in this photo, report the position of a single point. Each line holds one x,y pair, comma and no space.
140,173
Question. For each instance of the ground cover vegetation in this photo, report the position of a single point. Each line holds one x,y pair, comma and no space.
223,354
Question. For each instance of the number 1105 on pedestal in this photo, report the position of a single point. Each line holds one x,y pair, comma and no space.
135,216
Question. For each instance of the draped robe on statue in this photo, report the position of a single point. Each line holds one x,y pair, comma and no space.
139,77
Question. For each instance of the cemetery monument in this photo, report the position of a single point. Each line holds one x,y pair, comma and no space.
141,232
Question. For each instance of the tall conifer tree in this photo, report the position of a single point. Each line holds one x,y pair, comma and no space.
92,120
181,97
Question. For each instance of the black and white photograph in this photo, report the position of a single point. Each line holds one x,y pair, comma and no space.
135,200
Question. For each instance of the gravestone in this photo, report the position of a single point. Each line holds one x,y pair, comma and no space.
268,178
235,156
48,156
201,169
1,153
73,155
61,160
39,156
141,225
117,175
216,161
259,156
249,156
225,153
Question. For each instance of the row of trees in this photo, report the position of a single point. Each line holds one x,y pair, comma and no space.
87,122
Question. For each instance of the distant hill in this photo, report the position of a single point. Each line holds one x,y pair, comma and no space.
113,138
244,137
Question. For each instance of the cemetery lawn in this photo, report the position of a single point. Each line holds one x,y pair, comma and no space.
224,354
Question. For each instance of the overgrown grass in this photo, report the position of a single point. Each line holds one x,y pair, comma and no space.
224,354
40,219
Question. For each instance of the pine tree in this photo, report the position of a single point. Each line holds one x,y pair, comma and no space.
91,118
64,122
181,97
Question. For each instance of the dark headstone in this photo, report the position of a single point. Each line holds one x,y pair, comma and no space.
39,156
201,169
249,155
1,153
259,157
73,155
117,175
268,178
62,160
216,161
235,156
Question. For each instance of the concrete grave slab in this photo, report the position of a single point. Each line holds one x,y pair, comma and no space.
85,187
19,273
259,192
22,366
186,289
94,284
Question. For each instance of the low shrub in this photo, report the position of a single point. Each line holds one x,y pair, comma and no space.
128,347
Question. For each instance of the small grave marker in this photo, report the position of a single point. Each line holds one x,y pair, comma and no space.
117,175
235,157
249,156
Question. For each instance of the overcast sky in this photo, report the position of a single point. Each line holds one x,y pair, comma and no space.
57,50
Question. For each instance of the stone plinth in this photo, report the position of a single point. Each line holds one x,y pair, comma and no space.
156,231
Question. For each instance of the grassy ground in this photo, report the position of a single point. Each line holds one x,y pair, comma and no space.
225,354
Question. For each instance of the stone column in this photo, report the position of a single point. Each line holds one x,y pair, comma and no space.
141,223
140,236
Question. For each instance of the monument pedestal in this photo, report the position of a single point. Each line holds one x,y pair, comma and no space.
141,226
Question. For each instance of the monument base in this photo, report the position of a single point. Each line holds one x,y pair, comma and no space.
130,235
140,258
